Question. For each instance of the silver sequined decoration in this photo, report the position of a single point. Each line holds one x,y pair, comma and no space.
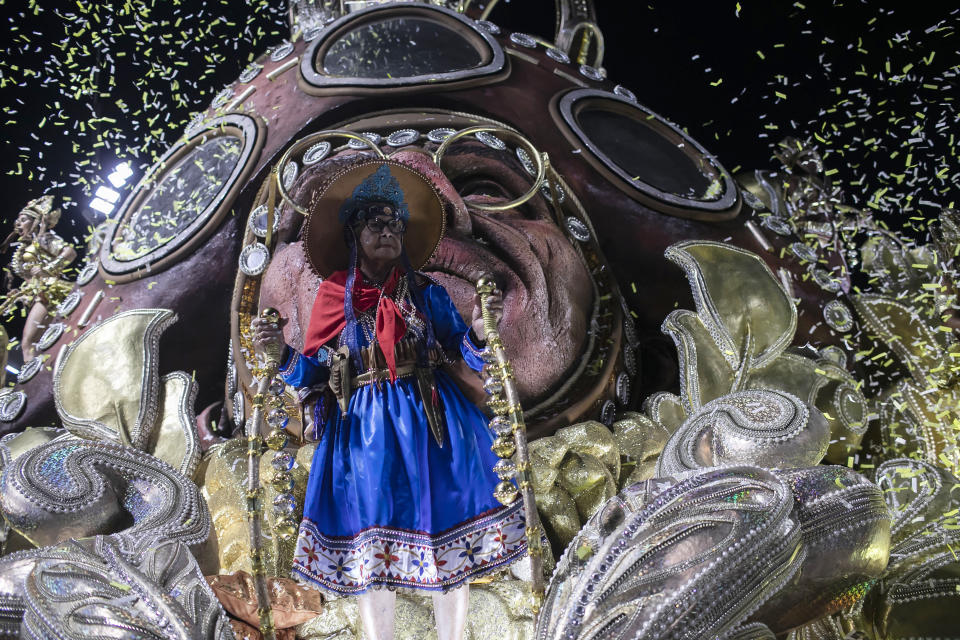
578,228
87,273
439,135
251,72
823,278
11,405
282,51
558,55
778,225
316,153
491,140
608,412
488,26
623,389
50,336
257,223
222,97
623,92
803,252
591,72
30,369
375,138
254,259
403,137
290,173
838,316
524,40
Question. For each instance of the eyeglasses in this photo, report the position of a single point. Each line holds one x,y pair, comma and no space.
395,225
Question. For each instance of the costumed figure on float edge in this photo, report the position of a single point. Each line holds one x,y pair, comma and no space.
39,258
400,493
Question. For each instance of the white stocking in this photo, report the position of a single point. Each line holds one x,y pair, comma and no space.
450,612
376,613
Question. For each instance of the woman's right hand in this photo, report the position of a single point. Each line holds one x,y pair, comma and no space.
267,337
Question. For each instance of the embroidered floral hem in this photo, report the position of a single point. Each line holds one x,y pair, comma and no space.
381,556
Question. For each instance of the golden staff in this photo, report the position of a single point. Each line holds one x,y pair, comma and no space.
512,438
255,491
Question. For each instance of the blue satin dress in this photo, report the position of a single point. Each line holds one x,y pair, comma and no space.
385,504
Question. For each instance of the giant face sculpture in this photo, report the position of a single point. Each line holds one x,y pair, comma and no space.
568,193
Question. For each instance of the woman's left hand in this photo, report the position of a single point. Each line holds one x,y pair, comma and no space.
495,304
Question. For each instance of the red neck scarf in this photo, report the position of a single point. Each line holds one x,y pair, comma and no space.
327,319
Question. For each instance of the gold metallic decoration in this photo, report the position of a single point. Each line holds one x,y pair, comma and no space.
113,398
302,145
540,160
737,340
255,505
485,287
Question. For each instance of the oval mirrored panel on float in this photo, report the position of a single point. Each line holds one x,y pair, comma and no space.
183,198
649,158
400,46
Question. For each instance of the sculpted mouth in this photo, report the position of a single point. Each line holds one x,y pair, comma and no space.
543,284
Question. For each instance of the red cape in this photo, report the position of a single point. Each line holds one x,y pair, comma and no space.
327,319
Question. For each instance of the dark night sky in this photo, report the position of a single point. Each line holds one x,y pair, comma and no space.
877,85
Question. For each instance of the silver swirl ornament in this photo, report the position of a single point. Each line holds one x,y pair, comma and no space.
694,562
846,531
920,594
97,588
70,488
762,427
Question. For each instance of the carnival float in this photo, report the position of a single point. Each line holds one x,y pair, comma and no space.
776,458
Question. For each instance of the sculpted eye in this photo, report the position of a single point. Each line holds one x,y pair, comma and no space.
483,187
649,158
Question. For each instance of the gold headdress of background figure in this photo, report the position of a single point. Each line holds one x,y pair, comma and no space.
40,257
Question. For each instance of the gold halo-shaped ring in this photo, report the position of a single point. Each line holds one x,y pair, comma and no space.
535,155
305,143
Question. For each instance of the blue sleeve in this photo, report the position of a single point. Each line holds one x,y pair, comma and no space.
299,370
449,327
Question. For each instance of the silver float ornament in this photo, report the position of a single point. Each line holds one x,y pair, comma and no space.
251,72
69,304
825,281
87,273
838,316
578,228
403,137
316,153
491,140
524,40
50,336
591,72
11,405
623,92
488,26
558,55
222,97
803,252
29,369
290,174
778,225
254,259
282,51
439,135
526,161
257,222
374,138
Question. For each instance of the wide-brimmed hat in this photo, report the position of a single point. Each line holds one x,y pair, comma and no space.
323,232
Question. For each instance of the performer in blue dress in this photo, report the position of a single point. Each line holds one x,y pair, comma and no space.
400,493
